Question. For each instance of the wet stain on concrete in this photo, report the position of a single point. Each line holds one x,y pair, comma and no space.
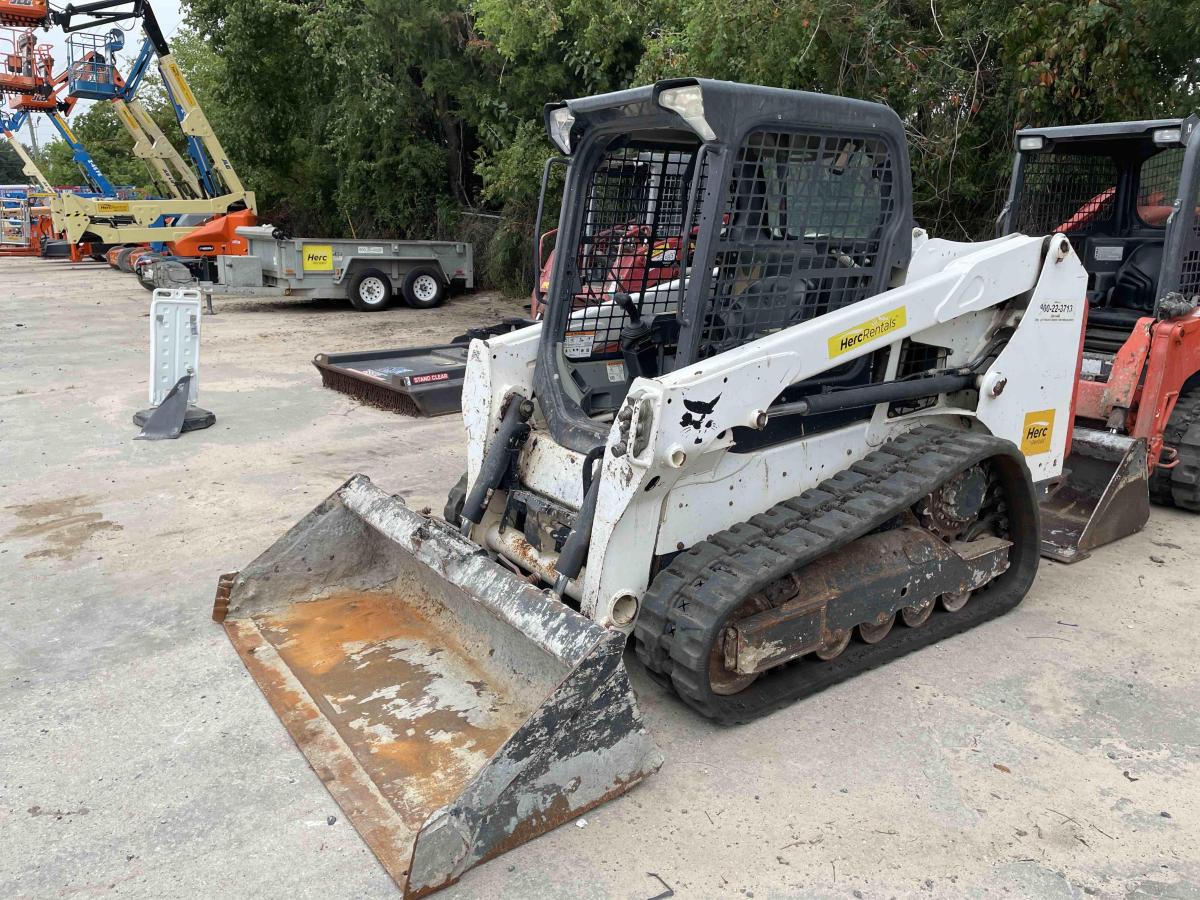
58,813
64,525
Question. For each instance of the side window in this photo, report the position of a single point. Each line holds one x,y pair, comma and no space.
1065,192
804,216
1158,186
1189,270
633,209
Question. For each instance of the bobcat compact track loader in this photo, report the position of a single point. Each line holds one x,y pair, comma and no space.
815,449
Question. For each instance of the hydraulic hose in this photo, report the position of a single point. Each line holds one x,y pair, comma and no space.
514,429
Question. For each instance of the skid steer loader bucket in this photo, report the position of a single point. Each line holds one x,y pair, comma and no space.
452,709
1104,495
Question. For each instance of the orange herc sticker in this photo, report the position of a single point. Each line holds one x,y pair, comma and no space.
1037,432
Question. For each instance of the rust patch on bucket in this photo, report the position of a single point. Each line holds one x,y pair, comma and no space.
419,713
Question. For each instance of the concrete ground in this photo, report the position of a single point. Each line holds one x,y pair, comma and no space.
1052,753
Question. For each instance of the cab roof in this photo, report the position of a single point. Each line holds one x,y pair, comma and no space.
1137,130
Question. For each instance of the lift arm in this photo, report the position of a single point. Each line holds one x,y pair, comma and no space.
195,147
143,220
218,176
11,124
149,142
91,172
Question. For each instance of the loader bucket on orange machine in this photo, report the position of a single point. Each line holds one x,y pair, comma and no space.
1104,495
452,709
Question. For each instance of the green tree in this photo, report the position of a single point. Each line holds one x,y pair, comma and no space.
408,117
106,141
11,167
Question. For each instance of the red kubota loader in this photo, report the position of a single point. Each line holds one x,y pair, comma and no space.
1127,197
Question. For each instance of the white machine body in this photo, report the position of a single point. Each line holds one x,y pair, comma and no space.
679,482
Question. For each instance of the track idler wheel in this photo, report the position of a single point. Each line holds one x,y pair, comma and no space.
954,602
722,681
832,648
874,632
918,614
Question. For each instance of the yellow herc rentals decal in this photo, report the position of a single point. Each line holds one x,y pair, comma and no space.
110,207
866,332
1037,432
171,70
318,258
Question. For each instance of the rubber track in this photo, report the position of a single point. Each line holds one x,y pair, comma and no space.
454,501
1180,486
691,597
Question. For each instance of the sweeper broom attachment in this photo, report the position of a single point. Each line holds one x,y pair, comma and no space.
451,708
413,381
418,382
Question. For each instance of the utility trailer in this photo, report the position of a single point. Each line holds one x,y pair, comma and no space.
368,273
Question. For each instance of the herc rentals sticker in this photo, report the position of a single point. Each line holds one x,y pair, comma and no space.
872,329
110,207
1037,432
318,258
182,91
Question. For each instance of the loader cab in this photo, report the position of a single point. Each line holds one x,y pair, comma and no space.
1125,195
740,211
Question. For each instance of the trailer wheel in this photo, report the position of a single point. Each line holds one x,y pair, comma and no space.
370,291
424,288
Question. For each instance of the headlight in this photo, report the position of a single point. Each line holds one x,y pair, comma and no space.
1035,142
1167,135
561,122
688,102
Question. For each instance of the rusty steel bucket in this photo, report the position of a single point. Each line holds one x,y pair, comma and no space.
1104,495
452,709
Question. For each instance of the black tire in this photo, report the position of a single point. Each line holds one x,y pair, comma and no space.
454,502
141,273
123,259
370,291
424,288
97,257
1179,486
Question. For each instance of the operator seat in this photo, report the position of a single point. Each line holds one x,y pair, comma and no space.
1134,291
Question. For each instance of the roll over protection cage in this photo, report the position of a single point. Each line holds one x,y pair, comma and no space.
1180,272
717,129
